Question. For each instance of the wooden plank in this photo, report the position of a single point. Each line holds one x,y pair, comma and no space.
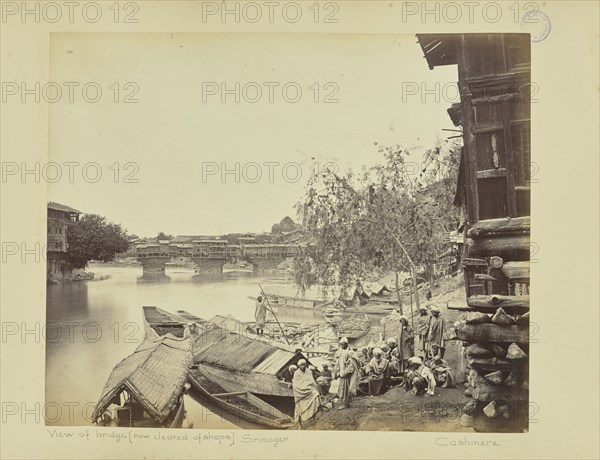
498,79
232,393
491,173
490,332
509,310
516,270
497,300
484,277
511,247
486,128
490,393
504,225
485,365
500,98
510,161
467,116
458,306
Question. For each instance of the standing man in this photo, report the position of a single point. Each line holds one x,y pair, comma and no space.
260,315
406,343
307,397
347,369
436,332
422,331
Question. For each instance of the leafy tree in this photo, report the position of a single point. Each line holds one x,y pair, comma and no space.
387,217
94,238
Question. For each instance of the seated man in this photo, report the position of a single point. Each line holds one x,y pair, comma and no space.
441,372
377,371
419,378
364,358
324,380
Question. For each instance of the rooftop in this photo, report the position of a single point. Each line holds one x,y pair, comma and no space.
62,207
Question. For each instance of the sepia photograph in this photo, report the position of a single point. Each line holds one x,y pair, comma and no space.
357,274
299,229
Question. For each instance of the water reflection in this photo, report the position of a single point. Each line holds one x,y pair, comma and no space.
98,323
154,278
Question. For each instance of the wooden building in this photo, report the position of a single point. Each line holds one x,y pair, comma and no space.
210,248
494,81
60,217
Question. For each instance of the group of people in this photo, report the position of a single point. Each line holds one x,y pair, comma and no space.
311,386
414,358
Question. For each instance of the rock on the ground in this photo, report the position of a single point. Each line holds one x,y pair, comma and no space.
494,377
515,352
500,317
511,380
478,351
476,317
490,410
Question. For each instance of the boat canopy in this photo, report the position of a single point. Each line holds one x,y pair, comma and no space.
154,375
220,346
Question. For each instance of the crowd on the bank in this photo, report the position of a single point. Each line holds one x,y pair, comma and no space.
413,359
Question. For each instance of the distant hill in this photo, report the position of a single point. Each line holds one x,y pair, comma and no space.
286,224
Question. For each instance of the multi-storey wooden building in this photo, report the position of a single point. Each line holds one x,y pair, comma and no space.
59,219
494,81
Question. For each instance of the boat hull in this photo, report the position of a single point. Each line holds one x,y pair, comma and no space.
254,382
179,416
273,418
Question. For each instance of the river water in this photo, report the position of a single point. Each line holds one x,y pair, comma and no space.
92,325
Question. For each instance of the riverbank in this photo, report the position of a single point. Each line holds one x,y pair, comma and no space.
398,410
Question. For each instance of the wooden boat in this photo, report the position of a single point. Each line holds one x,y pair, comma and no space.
353,327
242,404
315,339
230,357
146,388
333,315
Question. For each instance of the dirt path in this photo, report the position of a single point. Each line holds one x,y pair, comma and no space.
398,410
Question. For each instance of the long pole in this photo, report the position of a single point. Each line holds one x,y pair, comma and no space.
273,313
412,313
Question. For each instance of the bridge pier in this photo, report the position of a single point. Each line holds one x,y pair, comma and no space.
209,265
153,264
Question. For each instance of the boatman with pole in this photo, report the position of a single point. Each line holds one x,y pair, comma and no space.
260,315
264,297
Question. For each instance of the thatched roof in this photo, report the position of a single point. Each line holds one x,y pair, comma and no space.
154,375
219,346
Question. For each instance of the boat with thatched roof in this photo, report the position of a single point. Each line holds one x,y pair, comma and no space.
230,358
146,388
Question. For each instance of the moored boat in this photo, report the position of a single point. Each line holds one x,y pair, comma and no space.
353,327
146,388
231,358
242,404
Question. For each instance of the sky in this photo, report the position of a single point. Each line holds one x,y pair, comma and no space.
183,157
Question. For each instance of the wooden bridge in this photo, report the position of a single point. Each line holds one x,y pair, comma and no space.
211,254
